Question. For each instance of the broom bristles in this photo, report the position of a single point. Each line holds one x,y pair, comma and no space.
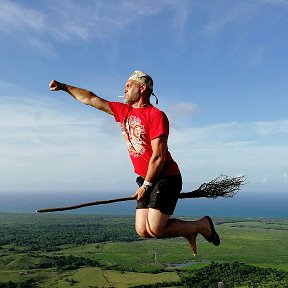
222,186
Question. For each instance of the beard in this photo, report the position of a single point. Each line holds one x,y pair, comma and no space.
132,97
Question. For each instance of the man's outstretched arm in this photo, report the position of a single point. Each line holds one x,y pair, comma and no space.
82,95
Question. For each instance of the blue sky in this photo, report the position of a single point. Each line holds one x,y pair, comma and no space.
219,69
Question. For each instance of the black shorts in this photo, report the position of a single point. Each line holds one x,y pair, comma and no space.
163,196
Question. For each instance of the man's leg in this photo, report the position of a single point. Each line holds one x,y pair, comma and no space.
141,222
162,226
152,223
159,225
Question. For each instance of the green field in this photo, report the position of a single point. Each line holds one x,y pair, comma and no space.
100,251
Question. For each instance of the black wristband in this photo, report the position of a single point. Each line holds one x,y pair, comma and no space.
63,87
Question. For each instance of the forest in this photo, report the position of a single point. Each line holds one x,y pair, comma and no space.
49,232
64,250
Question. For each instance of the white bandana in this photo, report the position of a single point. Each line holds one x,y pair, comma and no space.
143,78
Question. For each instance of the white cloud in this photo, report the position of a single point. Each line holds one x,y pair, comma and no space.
224,15
283,3
270,128
104,19
45,146
238,27
285,177
25,25
180,111
70,21
232,148
14,17
227,13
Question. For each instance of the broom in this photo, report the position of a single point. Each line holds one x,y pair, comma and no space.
222,186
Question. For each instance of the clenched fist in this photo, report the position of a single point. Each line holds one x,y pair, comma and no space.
55,85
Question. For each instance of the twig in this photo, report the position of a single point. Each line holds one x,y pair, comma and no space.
84,205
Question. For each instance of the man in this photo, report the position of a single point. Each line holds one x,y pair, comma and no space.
145,129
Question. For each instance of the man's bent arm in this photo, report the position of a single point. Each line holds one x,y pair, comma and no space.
82,95
157,160
156,163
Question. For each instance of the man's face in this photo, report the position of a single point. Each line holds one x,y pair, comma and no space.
132,92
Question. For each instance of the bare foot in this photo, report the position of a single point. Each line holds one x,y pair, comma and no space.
192,242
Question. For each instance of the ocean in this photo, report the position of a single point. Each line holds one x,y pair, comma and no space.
254,204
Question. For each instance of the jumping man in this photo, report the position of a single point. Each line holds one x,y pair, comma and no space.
145,129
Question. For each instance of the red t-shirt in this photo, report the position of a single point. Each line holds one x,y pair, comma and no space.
139,126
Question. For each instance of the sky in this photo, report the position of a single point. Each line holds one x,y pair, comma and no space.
220,73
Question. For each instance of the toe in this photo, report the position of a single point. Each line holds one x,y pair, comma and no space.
192,242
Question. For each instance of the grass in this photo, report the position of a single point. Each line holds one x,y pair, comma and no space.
110,278
256,242
266,248
94,277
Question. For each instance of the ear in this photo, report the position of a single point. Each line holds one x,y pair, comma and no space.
143,88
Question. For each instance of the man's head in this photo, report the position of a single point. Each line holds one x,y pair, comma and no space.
138,85
142,78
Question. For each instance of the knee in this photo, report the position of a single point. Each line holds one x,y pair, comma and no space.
142,232
155,232
147,232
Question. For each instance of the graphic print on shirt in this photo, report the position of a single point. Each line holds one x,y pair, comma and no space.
134,135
